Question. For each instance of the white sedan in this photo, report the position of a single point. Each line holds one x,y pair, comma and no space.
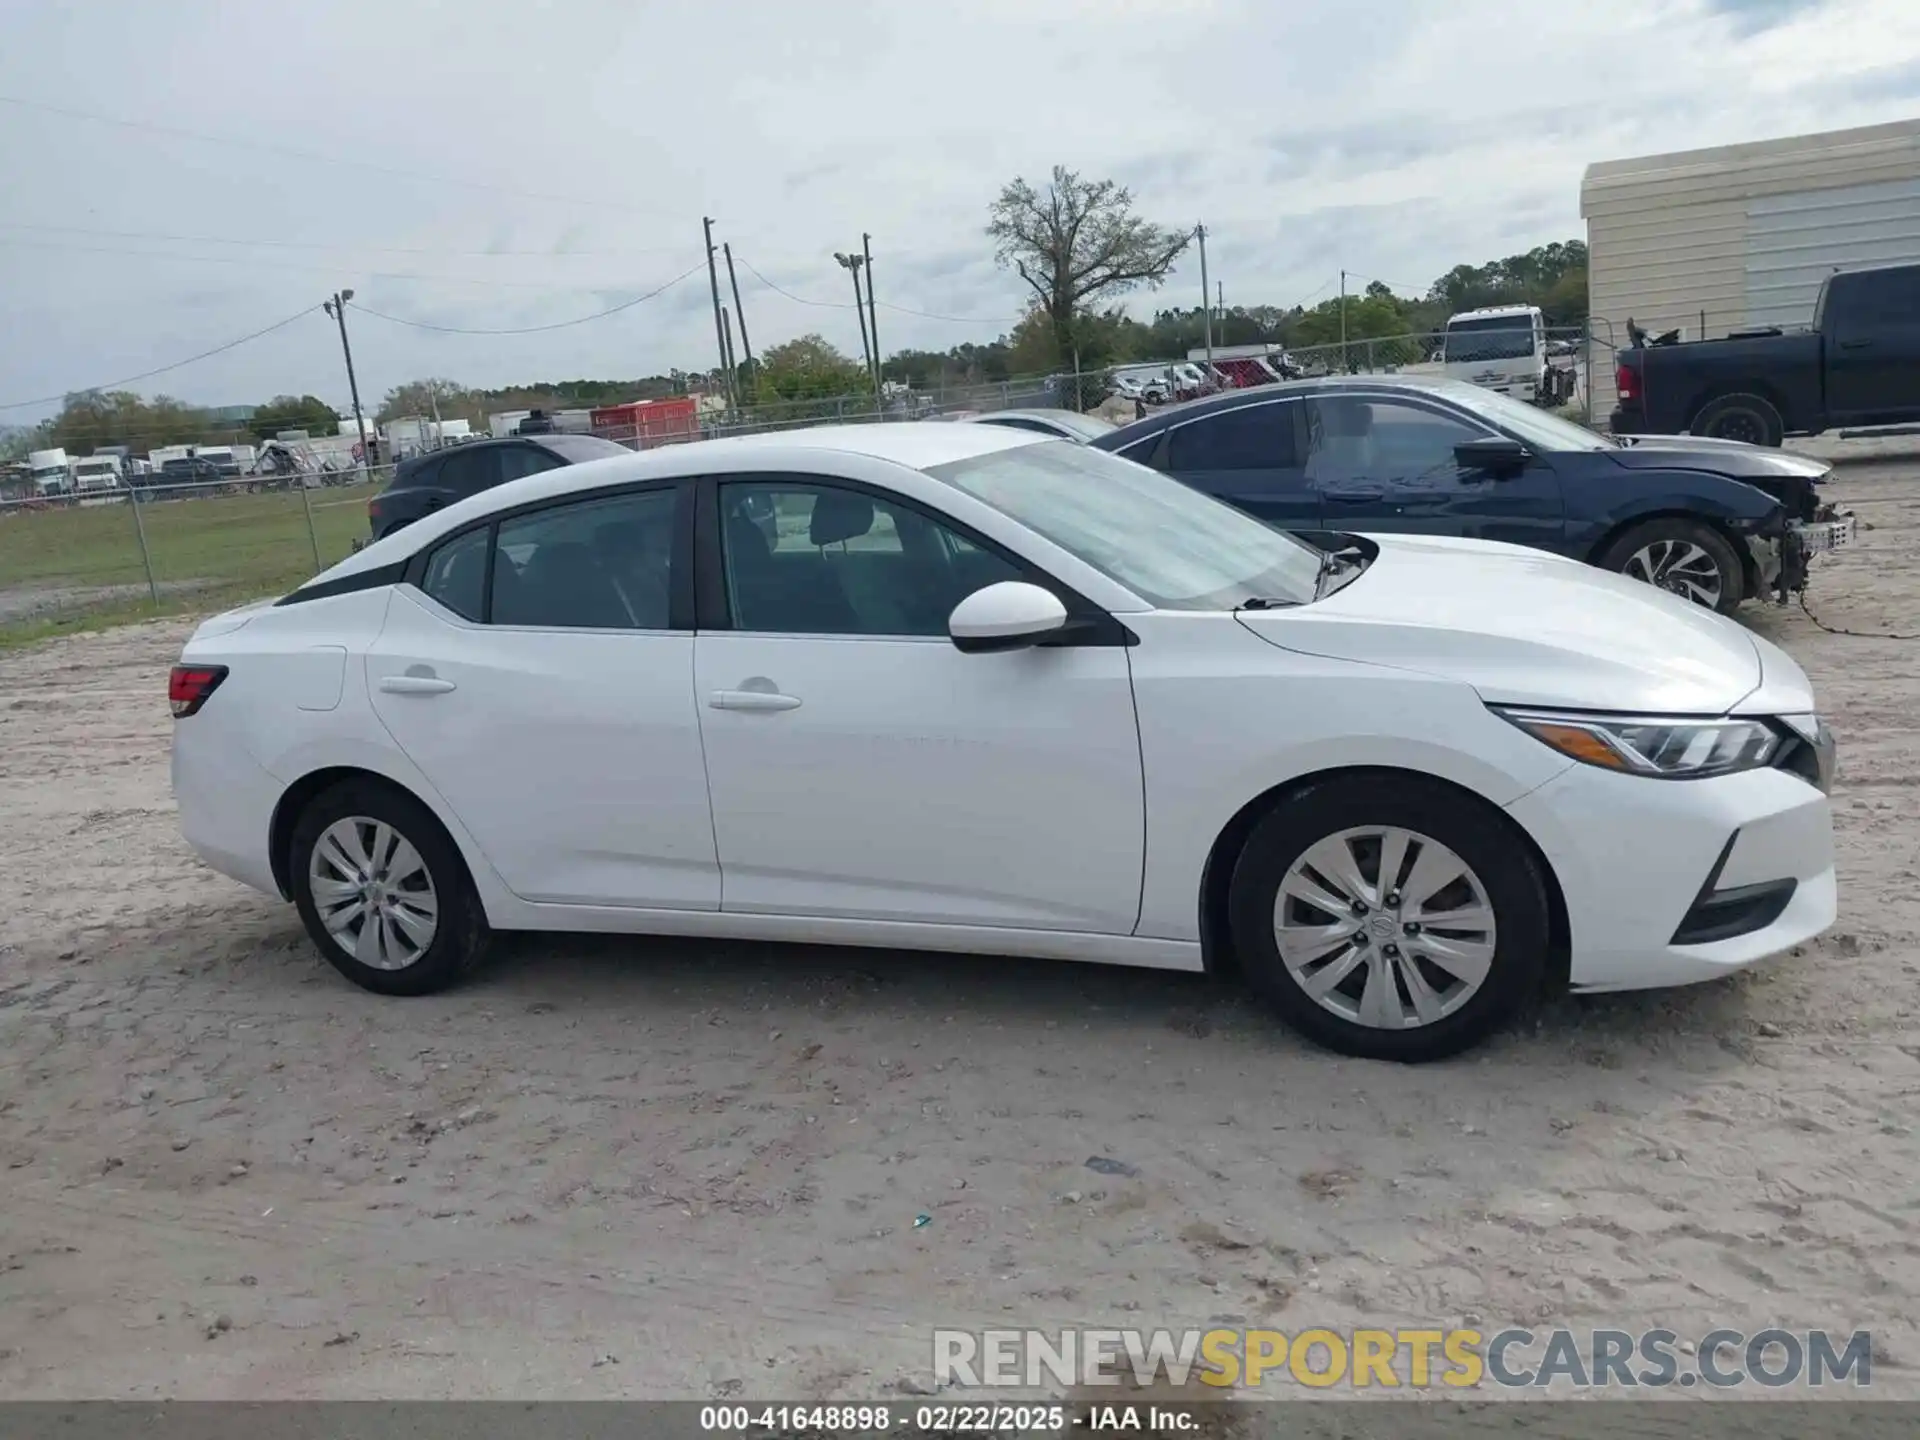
953,687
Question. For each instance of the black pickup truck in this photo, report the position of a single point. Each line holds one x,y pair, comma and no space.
1858,365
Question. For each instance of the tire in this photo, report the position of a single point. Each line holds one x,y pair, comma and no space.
1469,1002
1684,557
342,824
1751,418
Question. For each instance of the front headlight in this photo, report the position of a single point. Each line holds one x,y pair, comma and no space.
1660,746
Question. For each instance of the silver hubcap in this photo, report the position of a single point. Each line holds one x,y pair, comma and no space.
1385,927
373,893
1680,566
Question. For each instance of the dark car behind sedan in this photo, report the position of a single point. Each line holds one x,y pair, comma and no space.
1408,455
424,483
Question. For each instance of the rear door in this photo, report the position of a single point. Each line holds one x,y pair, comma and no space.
1387,463
1249,456
541,677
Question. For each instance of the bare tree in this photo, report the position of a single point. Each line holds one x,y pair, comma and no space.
1078,240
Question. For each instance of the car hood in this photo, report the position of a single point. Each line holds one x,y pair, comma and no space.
1524,628
1732,458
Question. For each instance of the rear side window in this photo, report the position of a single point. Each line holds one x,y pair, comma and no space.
467,472
603,564
457,574
518,460
1253,437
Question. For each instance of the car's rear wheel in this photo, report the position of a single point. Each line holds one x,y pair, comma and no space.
1390,917
1752,419
1684,557
383,891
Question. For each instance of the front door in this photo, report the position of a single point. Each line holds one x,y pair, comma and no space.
555,714
1249,456
1387,463
862,767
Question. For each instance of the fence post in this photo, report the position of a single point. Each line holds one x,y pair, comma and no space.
313,537
140,531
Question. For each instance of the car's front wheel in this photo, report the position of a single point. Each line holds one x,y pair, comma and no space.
1389,916
383,891
1684,557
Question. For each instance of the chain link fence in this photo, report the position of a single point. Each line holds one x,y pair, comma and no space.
75,561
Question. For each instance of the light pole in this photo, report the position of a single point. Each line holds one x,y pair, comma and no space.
336,306
851,264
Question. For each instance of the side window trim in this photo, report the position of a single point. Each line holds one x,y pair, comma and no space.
1088,624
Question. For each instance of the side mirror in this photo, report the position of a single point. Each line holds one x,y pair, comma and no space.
1495,453
1008,616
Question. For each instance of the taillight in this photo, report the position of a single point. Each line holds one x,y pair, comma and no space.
189,686
1626,381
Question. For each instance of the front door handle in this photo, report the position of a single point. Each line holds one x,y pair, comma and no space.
752,700
1353,496
415,685
1856,344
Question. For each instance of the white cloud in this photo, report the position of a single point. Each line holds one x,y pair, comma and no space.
1393,138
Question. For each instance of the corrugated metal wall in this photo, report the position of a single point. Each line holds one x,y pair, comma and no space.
1795,241
1717,240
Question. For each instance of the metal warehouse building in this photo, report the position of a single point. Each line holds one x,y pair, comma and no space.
1709,241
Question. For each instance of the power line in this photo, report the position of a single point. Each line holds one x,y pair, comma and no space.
95,117
176,365
885,305
350,248
258,264
528,329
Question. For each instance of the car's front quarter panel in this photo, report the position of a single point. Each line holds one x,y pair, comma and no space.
1226,717
1603,497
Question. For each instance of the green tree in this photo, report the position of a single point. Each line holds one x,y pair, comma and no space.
1075,242
293,412
808,368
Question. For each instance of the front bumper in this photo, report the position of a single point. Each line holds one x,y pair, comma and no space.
1782,561
1669,882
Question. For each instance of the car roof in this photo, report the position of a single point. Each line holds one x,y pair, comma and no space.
1033,414
917,445
1325,384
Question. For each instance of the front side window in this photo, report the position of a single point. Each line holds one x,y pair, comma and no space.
1356,437
1169,544
602,564
808,559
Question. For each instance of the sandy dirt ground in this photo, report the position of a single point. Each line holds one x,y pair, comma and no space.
679,1169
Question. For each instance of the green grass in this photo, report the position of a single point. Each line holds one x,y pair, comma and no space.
206,553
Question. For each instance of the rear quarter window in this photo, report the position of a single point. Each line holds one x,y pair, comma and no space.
456,574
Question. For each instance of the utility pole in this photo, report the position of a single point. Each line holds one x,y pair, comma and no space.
1221,292
726,331
1200,231
739,310
336,306
873,318
851,264
719,335
433,403
1343,322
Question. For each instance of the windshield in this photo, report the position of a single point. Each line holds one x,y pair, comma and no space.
1173,547
1500,337
1541,430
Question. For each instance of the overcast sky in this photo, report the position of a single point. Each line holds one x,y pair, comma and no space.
487,166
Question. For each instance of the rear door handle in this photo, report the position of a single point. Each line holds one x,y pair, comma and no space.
415,685
1856,344
752,700
1353,495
